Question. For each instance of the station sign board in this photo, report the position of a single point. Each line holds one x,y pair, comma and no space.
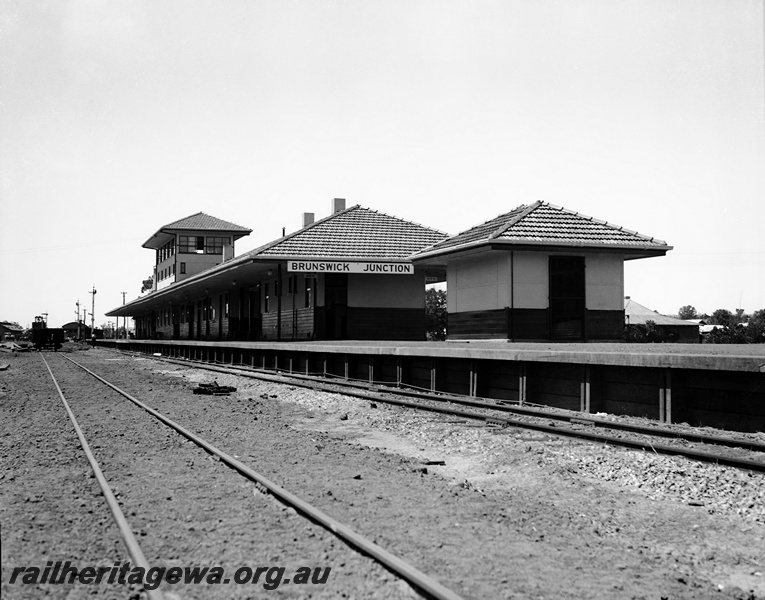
323,266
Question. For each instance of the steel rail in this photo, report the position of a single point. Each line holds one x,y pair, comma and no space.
415,577
701,455
501,406
133,548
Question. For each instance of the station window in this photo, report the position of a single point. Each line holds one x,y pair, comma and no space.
183,268
226,300
214,245
308,292
266,297
165,252
191,244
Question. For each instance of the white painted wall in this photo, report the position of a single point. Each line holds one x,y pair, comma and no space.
532,280
604,281
482,282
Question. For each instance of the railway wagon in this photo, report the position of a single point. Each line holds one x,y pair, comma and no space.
45,337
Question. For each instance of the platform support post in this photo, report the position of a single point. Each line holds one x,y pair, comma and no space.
585,391
371,369
399,372
665,397
473,378
433,374
522,385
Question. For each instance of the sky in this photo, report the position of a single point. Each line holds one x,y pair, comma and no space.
119,117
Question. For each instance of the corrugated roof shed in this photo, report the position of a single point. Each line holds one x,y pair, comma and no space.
542,223
637,314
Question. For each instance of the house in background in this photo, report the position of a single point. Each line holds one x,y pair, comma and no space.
9,331
673,329
539,272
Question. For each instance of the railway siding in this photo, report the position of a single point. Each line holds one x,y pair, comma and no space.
510,514
51,508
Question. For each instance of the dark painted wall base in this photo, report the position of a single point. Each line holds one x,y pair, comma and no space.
529,324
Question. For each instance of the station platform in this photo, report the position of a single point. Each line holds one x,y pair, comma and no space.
715,385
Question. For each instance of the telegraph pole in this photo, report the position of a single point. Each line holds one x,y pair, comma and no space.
92,312
124,319
79,333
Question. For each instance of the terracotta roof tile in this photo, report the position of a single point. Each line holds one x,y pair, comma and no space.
355,232
201,220
543,223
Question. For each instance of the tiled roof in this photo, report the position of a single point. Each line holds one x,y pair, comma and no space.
543,223
201,220
355,232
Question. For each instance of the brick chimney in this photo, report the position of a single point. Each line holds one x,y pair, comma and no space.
338,204
307,219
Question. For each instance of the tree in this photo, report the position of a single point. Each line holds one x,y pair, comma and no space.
650,333
756,328
722,316
734,330
435,314
147,284
687,312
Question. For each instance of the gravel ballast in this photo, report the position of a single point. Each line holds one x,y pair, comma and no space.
491,513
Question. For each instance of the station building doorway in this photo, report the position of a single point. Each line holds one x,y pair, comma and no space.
567,298
336,306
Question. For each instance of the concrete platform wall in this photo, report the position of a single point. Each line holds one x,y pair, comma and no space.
727,393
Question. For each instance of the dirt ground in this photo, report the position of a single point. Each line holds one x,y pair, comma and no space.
509,513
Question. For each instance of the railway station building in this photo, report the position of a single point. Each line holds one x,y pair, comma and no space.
537,273
347,276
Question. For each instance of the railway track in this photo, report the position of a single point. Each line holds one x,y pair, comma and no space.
724,450
426,585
